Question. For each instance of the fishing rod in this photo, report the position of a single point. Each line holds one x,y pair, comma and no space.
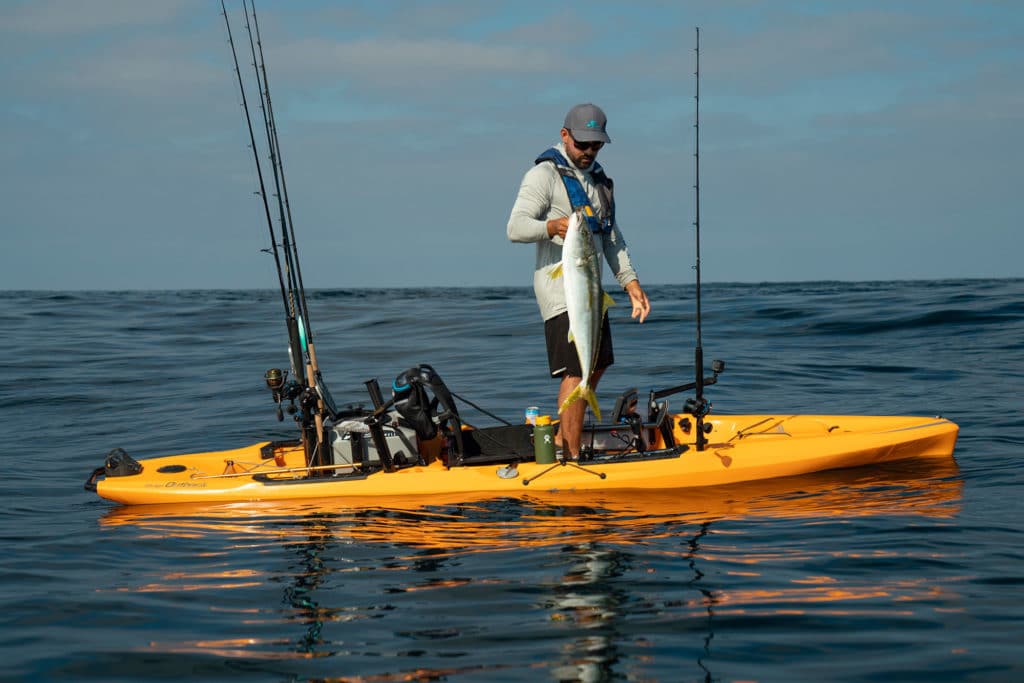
314,378
289,242
304,384
284,206
698,352
297,320
294,312
697,405
259,168
297,290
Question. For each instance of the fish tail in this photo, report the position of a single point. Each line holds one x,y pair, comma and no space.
582,392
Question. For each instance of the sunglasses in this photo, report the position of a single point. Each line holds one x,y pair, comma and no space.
587,146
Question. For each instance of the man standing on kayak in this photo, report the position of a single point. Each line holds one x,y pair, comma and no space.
565,178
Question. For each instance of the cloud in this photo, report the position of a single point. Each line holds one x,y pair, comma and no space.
161,71
407,60
62,18
408,123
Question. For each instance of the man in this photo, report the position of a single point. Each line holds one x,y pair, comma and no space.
565,178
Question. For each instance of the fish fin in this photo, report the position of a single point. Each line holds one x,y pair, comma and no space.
585,392
556,272
592,402
573,396
607,302
572,337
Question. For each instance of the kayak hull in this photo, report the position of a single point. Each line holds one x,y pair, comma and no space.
740,448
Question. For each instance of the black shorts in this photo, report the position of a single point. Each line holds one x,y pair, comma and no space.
562,356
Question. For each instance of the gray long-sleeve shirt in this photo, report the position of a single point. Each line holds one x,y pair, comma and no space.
542,197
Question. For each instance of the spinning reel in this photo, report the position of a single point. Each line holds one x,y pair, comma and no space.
284,389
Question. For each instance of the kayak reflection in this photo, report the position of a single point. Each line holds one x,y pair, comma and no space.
584,582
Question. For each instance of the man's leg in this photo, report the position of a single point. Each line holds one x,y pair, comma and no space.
570,430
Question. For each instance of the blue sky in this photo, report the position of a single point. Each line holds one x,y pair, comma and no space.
839,140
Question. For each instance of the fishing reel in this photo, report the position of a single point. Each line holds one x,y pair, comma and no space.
283,390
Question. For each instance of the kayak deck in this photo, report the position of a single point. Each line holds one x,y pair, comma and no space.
740,448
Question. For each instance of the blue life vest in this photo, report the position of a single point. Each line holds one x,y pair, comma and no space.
578,196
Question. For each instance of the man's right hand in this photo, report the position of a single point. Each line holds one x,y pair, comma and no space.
557,227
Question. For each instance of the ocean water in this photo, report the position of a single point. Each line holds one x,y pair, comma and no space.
911,572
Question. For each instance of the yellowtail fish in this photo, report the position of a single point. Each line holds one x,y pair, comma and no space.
580,270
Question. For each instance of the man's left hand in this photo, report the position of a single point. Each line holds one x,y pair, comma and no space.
638,298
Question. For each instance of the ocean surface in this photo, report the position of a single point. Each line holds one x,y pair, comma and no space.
911,572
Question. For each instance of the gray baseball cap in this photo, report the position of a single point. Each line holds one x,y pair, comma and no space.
586,123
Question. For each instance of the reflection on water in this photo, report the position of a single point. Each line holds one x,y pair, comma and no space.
708,597
308,573
593,601
589,601
602,567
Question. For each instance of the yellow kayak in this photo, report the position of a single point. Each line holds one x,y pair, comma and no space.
739,448
923,488
416,445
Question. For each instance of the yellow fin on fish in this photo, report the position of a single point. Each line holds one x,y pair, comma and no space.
607,302
585,392
556,272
